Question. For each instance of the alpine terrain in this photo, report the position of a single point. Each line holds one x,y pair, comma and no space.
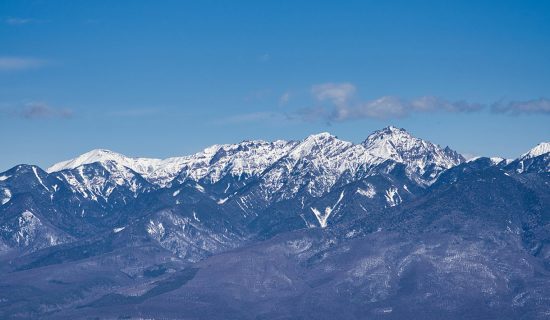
320,228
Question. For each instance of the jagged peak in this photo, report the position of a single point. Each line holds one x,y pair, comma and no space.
389,132
245,143
390,138
392,129
399,145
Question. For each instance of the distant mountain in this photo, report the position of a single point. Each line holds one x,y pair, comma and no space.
303,224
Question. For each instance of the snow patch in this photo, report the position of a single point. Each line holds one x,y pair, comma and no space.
351,234
117,230
323,217
369,193
155,229
28,225
6,196
392,197
38,177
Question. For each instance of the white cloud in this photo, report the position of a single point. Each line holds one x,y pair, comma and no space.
337,93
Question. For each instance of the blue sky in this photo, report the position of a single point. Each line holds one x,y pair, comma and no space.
168,78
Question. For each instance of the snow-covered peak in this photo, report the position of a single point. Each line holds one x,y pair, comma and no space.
150,168
398,145
390,133
97,155
540,149
318,143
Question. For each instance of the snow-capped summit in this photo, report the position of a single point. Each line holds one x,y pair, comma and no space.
417,154
140,165
320,142
154,170
540,149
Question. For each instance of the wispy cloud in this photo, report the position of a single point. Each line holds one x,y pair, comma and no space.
15,21
253,117
20,63
137,112
284,98
339,103
264,57
257,95
38,110
541,106
19,21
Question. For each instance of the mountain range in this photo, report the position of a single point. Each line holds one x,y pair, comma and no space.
315,229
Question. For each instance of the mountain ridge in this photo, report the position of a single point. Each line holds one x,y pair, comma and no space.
387,220
161,171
